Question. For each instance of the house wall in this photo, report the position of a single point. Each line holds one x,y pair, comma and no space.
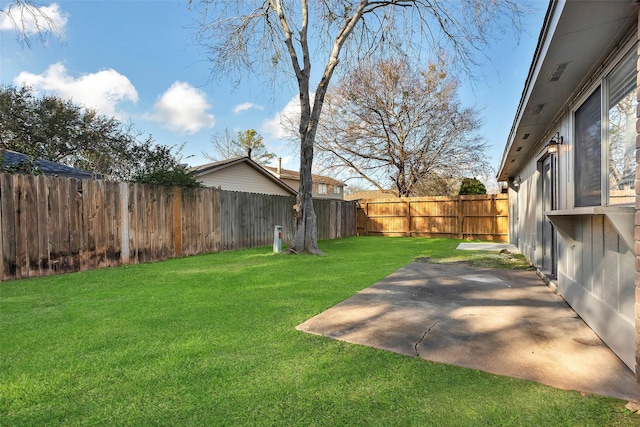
295,184
242,177
595,266
522,201
338,192
330,194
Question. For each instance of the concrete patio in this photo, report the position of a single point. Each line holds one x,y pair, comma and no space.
505,322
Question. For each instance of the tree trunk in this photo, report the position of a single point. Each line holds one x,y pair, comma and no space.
305,239
306,234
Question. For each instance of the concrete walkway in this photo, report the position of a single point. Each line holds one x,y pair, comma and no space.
489,246
504,322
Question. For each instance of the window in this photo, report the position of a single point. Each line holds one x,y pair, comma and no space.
337,190
622,132
605,134
322,188
588,141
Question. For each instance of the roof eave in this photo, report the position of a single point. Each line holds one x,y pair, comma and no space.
581,38
534,68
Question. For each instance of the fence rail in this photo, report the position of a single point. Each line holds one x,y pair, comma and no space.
482,217
54,225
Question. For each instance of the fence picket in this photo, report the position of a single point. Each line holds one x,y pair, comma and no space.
21,235
9,229
75,225
88,242
31,221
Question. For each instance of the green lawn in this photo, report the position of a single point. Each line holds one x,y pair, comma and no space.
211,340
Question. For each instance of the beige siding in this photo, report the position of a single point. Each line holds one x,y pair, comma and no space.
293,183
329,193
340,192
242,177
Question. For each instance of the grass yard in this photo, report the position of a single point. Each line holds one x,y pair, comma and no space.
210,341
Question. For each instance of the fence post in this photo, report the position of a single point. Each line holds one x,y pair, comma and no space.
366,219
460,218
407,225
332,234
124,214
356,205
177,216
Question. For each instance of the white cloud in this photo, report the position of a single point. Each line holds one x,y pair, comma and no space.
182,108
31,19
247,106
102,91
287,118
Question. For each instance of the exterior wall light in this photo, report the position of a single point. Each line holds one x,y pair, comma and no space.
514,182
554,143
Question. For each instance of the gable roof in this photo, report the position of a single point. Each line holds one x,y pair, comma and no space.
215,166
576,37
47,167
295,175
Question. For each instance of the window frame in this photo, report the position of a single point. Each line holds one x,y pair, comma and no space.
588,194
600,81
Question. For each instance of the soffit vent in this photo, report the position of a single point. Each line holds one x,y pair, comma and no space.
558,71
537,109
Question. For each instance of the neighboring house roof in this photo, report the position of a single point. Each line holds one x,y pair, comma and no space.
294,175
46,167
224,164
574,37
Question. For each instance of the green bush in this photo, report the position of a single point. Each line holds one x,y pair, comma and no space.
471,186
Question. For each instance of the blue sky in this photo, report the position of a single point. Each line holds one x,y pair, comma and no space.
140,61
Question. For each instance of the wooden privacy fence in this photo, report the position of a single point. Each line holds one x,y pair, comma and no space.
482,217
54,225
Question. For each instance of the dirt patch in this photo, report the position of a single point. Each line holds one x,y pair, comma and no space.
503,259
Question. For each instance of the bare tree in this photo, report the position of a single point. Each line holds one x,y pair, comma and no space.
223,145
227,146
265,35
394,125
622,144
434,184
28,18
